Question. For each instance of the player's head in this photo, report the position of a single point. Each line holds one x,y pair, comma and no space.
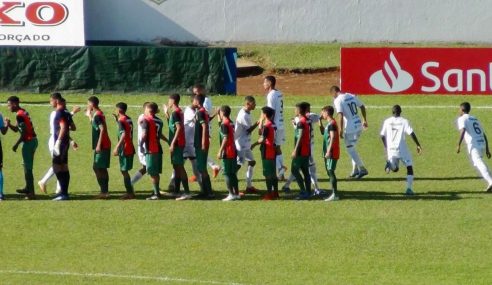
465,108
268,112
334,90
249,103
198,100
269,82
62,103
121,107
54,97
327,112
396,110
93,102
302,108
225,112
152,108
144,106
199,89
174,100
13,103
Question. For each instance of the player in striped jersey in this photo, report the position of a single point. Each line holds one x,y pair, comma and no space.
228,153
202,145
331,148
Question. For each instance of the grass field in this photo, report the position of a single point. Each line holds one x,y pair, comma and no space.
374,235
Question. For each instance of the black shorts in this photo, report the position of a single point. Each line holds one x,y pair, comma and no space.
63,157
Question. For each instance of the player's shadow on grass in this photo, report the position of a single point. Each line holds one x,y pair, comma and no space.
396,179
391,196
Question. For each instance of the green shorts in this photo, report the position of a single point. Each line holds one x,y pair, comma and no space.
154,163
331,164
230,166
102,159
269,169
28,151
126,162
300,162
177,156
201,160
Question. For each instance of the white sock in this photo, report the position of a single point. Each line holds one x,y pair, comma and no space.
47,176
484,171
58,187
211,163
249,176
409,181
280,164
136,177
314,177
291,179
195,170
356,161
173,175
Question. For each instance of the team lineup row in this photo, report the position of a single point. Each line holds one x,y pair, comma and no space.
189,139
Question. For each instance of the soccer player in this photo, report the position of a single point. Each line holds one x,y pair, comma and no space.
268,152
189,150
124,149
101,144
331,148
3,130
302,151
177,143
141,155
62,124
474,135
244,127
29,142
347,106
50,173
276,102
199,89
150,145
202,144
393,135
228,153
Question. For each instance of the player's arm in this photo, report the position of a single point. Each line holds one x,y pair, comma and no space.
416,140
102,129
253,127
4,129
261,139
225,133
14,128
75,110
321,127
61,135
121,140
462,135
364,116
340,119
179,130
166,111
329,148
21,128
487,151
143,137
298,143
383,138
204,135
73,127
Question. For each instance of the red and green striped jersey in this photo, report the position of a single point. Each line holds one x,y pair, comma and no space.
201,117
177,118
99,120
227,133
268,146
303,127
125,126
331,126
25,125
152,125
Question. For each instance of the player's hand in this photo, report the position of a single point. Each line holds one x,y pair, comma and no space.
56,149
171,148
7,122
88,112
219,156
98,149
115,152
76,109
488,154
15,147
165,108
419,149
204,147
458,149
365,125
294,154
75,146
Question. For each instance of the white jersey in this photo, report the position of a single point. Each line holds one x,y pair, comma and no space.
52,122
474,134
348,105
276,102
395,130
140,129
189,125
207,104
243,124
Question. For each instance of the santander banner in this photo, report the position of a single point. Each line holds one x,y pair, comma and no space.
416,70
42,23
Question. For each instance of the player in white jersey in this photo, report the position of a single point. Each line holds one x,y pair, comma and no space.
351,126
474,135
199,89
243,129
141,155
51,142
393,134
313,119
276,102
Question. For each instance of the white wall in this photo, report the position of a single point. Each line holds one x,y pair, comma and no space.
290,20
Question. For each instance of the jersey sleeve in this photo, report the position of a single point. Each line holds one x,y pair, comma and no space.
98,120
408,128
383,129
299,125
224,130
270,101
331,128
358,102
144,124
314,117
338,105
20,123
200,117
176,118
207,104
461,123
121,127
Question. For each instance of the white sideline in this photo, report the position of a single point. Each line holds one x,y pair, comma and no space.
116,276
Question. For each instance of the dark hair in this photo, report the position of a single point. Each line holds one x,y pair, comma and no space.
94,100
122,106
466,107
396,110
153,107
269,112
200,98
303,107
329,109
335,88
198,86
226,110
176,98
13,99
145,104
272,80
56,95
250,99
62,100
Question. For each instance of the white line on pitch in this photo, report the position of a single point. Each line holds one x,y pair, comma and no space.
116,276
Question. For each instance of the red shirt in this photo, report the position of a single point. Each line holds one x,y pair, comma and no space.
177,118
25,125
125,126
268,146
100,120
227,132
305,139
201,117
153,126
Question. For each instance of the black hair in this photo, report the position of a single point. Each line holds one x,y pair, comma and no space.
250,99
62,100
272,80
226,110
199,86
122,106
335,88
329,109
200,98
153,107
303,107
13,99
176,98
269,112
466,107
396,110
94,100
56,96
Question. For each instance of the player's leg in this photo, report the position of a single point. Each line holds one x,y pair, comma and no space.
247,156
477,159
271,180
126,164
358,168
154,169
279,142
140,173
228,177
206,184
49,173
331,166
314,175
28,152
214,166
306,174
296,167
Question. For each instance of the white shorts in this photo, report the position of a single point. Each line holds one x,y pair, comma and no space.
51,145
189,151
244,155
280,137
141,158
476,155
403,155
351,139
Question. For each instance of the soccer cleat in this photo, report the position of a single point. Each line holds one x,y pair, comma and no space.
216,171
237,197
268,197
30,196
251,190
286,189
184,197
354,174
333,197
58,191
319,193
275,195
102,196
409,192
303,196
387,167
128,196
362,173
192,179
61,198
489,189
228,198
22,191
170,194
42,187
2,198
153,198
